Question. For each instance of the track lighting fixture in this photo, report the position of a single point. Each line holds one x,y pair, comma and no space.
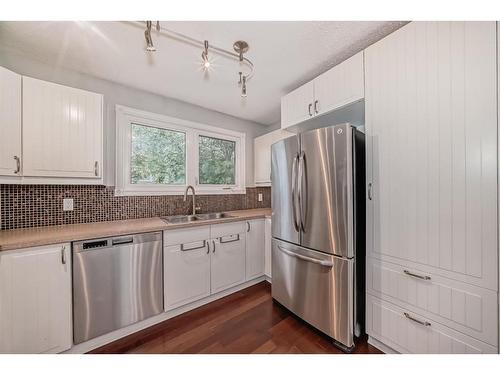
147,34
240,47
204,56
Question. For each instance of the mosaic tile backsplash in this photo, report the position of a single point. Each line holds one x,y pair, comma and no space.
24,206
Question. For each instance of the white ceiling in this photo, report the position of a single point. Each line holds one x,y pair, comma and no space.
285,54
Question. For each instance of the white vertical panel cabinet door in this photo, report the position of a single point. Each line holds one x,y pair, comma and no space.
341,85
268,236
35,300
62,131
255,248
297,106
227,262
407,332
187,273
262,155
431,125
10,123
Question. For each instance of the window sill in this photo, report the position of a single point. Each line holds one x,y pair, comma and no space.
199,191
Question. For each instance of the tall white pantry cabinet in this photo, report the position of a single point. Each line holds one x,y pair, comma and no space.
432,161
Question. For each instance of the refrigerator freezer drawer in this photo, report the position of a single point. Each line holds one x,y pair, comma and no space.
317,287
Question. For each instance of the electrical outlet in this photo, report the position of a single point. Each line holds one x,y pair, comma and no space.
68,204
260,197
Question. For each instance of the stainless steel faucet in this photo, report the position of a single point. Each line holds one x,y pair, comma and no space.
194,198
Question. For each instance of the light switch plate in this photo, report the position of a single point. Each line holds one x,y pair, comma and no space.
260,197
68,204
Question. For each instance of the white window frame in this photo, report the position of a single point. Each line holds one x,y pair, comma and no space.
126,116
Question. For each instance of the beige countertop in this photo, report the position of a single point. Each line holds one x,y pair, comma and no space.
29,237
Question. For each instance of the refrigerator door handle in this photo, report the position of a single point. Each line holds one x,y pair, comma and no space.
324,263
294,185
303,192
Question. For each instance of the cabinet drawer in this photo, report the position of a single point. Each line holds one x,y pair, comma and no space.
186,235
227,229
463,307
389,324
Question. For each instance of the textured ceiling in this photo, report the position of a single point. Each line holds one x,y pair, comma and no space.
285,54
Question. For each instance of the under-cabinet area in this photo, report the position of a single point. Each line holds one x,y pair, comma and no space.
83,294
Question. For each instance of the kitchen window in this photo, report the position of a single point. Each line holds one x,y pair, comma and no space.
160,155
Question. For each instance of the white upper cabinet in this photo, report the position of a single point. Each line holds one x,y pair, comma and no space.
35,300
62,131
431,125
296,106
262,155
336,88
10,123
341,85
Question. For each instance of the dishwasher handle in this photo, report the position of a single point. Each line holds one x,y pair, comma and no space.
122,240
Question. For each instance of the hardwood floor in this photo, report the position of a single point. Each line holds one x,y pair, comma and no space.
244,322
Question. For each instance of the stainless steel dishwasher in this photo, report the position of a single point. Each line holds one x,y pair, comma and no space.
117,281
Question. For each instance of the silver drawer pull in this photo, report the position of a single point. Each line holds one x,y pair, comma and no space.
424,323
324,263
63,255
422,277
18,164
184,248
222,240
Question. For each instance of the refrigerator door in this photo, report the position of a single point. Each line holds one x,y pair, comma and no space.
284,166
317,287
326,190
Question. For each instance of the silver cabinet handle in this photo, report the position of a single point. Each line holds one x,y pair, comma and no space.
248,226
18,164
324,263
294,184
316,102
63,255
231,239
370,197
213,243
96,168
208,247
186,248
422,277
424,323
309,109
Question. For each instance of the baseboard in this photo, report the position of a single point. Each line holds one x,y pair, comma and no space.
125,331
381,346
268,279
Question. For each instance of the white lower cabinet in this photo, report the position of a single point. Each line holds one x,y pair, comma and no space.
35,300
202,261
267,248
228,262
255,247
187,273
408,332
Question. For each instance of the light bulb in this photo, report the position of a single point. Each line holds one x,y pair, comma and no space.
206,64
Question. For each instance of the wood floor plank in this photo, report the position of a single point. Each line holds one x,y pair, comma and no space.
244,322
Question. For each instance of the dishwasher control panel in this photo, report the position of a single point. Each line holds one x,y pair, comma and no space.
95,244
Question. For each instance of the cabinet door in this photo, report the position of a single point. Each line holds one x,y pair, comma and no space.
255,247
228,262
268,239
35,300
62,131
187,273
297,105
10,123
262,155
431,126
341,85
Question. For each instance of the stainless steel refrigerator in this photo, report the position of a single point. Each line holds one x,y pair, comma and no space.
318,226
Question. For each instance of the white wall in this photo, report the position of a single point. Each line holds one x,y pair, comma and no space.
119,94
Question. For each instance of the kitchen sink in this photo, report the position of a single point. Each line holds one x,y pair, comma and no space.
178,219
